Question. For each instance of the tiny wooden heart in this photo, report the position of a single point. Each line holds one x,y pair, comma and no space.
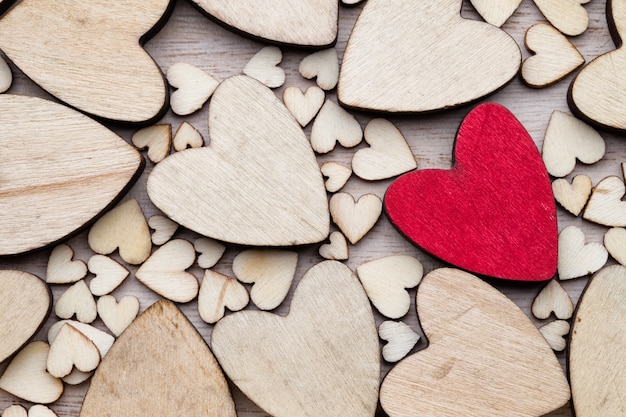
77,300
305,106
157,138
385,281
330,327
496,12
187,137
193,87
555,56
45,157
62,50
323,66
572,197
264,67
577,259
71,349
409,56
163,228
108,274
614,243
118,316
400,337
210,252
217,293
102,340
474,330
337,249
271,271
388,155
568,16
555,333
161,343
62,269
493,213
553,298
164,271
39,410
337,175
257,184
355,219
333,124
26,376
25,303
605,206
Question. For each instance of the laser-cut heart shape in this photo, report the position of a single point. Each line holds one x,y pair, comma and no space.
553,299
45,157
568,16
71,349
62,49
496,12
577,259
108,274
219,292
418,56
77,300
493,213
475,334
258,183
573,197
330,327
118,316
62,269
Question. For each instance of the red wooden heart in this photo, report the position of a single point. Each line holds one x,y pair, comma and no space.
493,213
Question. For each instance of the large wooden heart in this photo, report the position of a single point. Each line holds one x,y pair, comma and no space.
493,213
88,53
484,358
258,182
321,360
59,170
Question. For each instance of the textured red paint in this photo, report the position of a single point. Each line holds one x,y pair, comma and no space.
493,213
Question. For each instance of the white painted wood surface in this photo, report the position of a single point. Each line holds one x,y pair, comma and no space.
190,37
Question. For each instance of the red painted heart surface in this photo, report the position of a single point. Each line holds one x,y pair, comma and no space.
493,213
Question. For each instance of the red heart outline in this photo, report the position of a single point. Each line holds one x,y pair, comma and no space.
493,213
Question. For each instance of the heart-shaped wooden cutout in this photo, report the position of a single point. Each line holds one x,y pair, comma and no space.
163,228
330,327
493,213
605,206
157,138
553,299
555,333
573,197
187,136
355,219
292,22
77,300
62,269
481,345
496,12
419,56
71,349
337,249
25,303
210,252
118,316
264,67
568,16
257,184
304,106
194,87
62,49
400,340
219,292
108,274
577,259
323,66
80,181
334,124
337,174
161,341
614,243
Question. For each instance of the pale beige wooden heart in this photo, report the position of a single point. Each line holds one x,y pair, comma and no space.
321,360
258,183
62,49
46,156
159,366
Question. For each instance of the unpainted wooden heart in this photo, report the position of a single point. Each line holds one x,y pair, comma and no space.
355,218
407,56
304,106
614,240
264,67
337,174
193,87
493,213
555,333
109,274
400,340
553,299
605,206
572,197
210,252
187,136
71,349
323,66
62,50
160,342
577,259
496,12
45,157
568,16
62,269
219,292
77,300
101,339
118,316
334,124
163,228
157,138
330,326
337,249
258,183
474,330
37,410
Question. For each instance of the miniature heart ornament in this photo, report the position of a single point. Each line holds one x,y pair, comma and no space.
258,183
493,213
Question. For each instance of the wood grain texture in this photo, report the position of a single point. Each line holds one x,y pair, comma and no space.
572,197
577,258
130,380
118,316
484,356
71,349
568,16
496,12
409,57
605,206
400,340
62,50
62,269
553,299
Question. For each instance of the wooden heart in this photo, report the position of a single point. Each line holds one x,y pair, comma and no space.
80,181
264,67
187,136
577,259
334,124
493,213
62,49
257,184
62,269
496,12
25,303
118,316
219,292
419,56
323,66
157,138
337,174
597,93
400,337
555,333
330,327
71,349
355,219
596,346
160,342
614,243
481,345
210,252
337,249
605,206
568,16
77,300
108,274
293,22
572,197
553,299
163,228
304,106
193,87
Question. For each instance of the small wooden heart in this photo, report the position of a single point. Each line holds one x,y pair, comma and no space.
323,66
157,138
210,252
62,269
163,227
577,259
614,243
217,293
605,206
337,249
572,197
187,136
39,410
553,299
337,175
264,67
193,88
355,219
102,340
118,316
71,349
496,12
108,274
77,300
334,124
568,16
400,337
555,333
305,106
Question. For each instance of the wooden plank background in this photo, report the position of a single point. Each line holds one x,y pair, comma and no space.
190,37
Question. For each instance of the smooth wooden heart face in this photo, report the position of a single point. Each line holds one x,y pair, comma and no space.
51,153
293,22
25,303
485,357
419,56
496,12
493,213
160,343
62,49
326,348
258,183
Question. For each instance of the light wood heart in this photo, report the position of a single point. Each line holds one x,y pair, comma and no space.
605,206
62,269
337,249
82,179
39,410
305,106
108,274
418,56
71,349
118,316
555,333
219,292
553,299
77,300
161,341
257,184
573,197
323,66
193,87
568,16
474,330
187,136
210,252
264,67
334,124
496,12
157,138
614,242
102,340
400,337
163,228
25,303
577,259
291,22
355,219
337,174
330,327
62,49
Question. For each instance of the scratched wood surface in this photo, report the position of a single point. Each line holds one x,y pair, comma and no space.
190,37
